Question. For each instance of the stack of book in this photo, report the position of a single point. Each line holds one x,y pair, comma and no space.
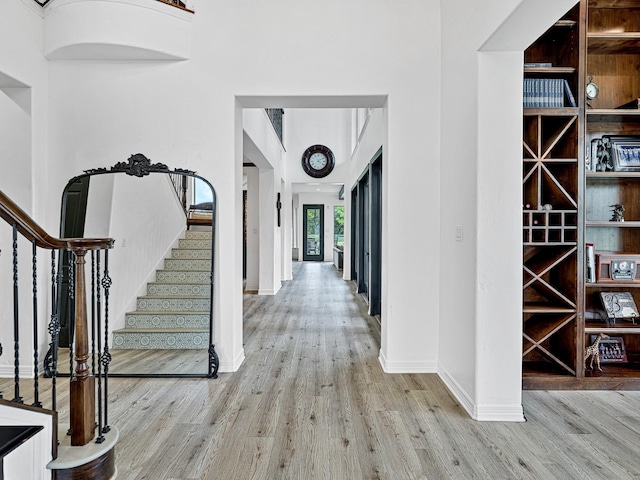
547,93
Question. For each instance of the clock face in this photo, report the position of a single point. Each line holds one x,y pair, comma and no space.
591,90
318,161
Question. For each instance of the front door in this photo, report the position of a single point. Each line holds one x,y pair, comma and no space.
313,227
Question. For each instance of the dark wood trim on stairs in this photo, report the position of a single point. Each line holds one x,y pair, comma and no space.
102,468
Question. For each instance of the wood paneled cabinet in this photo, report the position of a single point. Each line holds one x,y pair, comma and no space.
571,183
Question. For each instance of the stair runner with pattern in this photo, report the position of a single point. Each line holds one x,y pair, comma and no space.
175,312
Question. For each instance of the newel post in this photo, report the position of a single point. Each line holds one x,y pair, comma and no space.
83,403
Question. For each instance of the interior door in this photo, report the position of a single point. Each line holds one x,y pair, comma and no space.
74,212
366,264
313,227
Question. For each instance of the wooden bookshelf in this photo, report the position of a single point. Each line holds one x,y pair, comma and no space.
552,232
599,41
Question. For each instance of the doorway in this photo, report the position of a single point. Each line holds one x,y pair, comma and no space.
313,227
74,212
366,224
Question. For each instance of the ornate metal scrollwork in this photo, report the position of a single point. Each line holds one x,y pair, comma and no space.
214,362
138,165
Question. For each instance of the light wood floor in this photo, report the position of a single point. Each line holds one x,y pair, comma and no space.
158,362
311,402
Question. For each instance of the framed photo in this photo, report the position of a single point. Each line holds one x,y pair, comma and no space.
611,349
625,153
619,305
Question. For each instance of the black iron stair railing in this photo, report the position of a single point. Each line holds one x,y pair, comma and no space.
276,117
82,385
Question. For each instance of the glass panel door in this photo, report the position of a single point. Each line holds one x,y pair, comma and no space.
313,217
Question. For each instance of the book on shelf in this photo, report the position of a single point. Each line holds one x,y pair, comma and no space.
538,65
632,105
547,93
591,263
619,305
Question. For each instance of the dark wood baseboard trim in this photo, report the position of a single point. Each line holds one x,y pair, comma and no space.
102,468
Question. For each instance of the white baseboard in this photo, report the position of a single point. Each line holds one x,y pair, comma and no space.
234,365
24,371
270,291
499,413
481,413
407,367
464,399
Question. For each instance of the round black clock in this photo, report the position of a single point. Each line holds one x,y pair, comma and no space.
318,161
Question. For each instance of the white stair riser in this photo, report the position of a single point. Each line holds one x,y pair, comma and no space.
166,320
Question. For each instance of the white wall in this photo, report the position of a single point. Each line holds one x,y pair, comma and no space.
319,126
189,114
371,139
186,114
30,459
262,147
253,228
480,277
146,221
23,134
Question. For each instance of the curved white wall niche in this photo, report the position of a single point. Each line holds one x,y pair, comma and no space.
116,30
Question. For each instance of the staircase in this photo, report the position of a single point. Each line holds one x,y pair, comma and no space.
175,312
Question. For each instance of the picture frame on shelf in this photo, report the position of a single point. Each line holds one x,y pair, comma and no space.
612,349
619,305
625,153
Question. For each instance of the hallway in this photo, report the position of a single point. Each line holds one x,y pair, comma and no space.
311,402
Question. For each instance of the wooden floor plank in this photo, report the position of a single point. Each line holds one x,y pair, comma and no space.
312,402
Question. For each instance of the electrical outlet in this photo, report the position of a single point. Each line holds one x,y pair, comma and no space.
459,233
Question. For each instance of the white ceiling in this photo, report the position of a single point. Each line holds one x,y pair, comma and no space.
312,187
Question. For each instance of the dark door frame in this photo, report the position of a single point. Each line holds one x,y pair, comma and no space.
72,220
375,225
305,256
140,166
366,247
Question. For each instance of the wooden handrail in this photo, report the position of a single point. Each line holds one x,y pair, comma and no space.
14,215
82,385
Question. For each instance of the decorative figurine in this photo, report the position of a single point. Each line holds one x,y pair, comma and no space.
593,351
617,213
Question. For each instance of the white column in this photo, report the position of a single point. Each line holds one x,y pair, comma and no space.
269,275
253,228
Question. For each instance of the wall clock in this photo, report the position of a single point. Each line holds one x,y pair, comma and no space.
591,89
318,161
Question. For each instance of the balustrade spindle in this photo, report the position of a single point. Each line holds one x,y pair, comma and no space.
71,309
54,331
16,335
36,373
82,384
100,438
106,356
93,314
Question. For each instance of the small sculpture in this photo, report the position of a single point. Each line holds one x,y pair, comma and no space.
617,213
593,351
